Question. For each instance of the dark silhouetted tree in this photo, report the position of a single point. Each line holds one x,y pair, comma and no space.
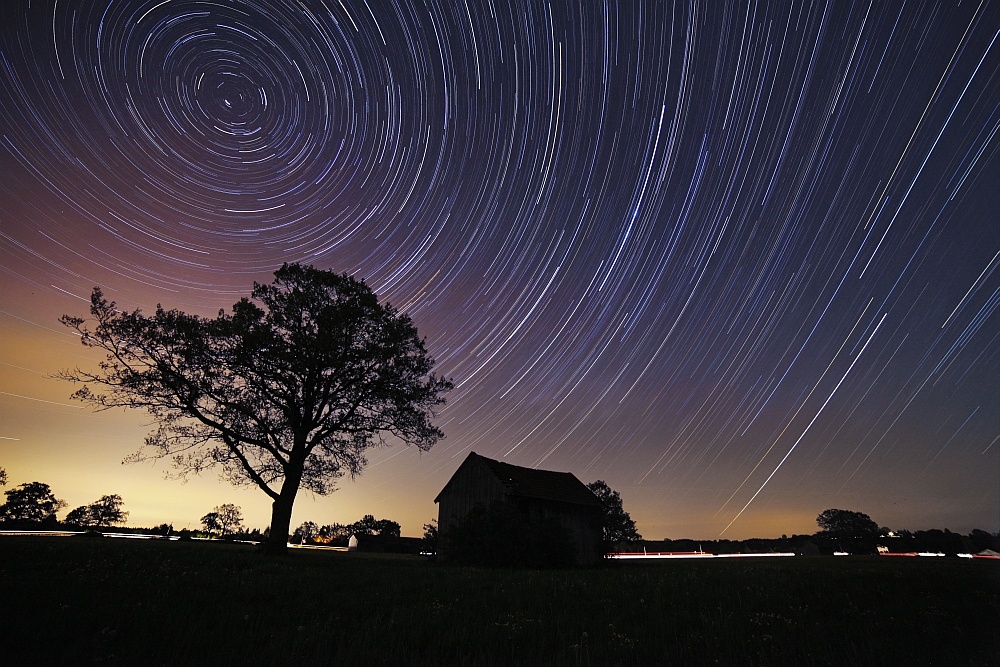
33,501
210,522
943,541
430,543
287,392
366,525
164,529
369,525
617,526
104,512
387,528
845,524
334,531
305,533
3,477
80,517
225,520
984,540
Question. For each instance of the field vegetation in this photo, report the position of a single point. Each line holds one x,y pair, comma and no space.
77,600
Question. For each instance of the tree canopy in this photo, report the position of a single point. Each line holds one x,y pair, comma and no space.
366,525
846,524
287,391
369,525
33,501
618,526
431,536
103,512
305,533
224,519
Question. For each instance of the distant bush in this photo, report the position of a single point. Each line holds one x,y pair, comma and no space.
430,538
91,533
501,535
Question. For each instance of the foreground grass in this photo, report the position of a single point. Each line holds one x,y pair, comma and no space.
106,601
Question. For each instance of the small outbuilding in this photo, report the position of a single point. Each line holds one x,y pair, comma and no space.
541,494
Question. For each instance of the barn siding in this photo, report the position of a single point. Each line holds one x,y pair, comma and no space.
582,523
474,484
471,485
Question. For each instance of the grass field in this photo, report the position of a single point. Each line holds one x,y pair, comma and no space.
70,601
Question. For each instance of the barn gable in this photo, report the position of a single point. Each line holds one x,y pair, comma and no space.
538,493
562,487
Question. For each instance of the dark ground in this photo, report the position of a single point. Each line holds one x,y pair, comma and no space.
71,600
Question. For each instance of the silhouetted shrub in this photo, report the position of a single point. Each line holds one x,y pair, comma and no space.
90,534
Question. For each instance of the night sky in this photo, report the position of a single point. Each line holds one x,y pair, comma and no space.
740,261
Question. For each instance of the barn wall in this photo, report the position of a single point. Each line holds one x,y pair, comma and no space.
475,484
472,484
582,523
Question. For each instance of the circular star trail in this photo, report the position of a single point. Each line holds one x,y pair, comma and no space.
740,260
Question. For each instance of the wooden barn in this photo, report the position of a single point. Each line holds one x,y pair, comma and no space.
536,493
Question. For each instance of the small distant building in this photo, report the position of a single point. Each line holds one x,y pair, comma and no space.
541,494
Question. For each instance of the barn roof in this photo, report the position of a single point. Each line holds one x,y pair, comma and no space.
521,482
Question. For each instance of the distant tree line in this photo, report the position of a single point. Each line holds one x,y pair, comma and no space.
902,541
489,536
843,531
33,505
311,533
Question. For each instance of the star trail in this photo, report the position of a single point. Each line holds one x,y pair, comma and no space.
740,260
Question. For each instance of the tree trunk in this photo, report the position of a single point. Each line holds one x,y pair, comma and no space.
276,543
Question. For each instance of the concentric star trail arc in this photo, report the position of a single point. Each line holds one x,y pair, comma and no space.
721,255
